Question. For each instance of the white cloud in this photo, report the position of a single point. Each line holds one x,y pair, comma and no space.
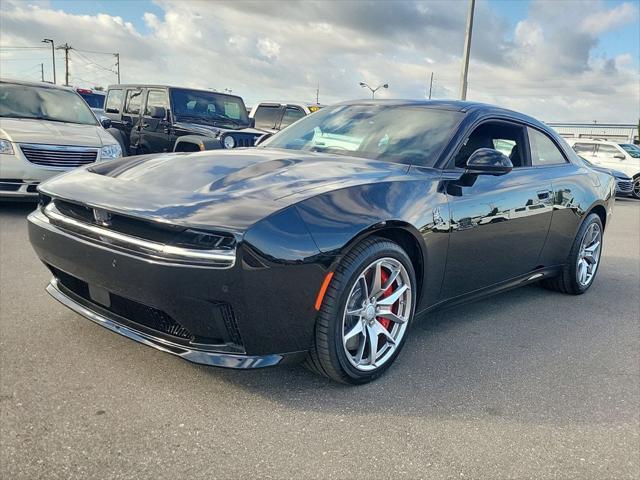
603,21
545,66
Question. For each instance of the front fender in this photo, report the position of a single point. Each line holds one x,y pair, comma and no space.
200,141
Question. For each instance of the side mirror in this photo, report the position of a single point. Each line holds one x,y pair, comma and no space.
105,121
619,156
158,112
252,122
487,161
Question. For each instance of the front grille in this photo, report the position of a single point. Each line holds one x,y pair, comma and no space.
154,231
59,156
10,185
624,185
245,140
131,310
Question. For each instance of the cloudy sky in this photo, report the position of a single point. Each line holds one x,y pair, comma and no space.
557,60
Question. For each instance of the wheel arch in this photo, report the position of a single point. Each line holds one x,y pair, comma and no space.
195,143
601,211
405,235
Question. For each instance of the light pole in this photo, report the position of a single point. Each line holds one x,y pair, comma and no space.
53,56
374,90
467,50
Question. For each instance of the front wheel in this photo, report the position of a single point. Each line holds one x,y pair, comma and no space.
636,187
583,262
365,314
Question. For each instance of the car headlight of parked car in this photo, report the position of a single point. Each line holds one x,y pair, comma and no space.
228,141
6,147
109,152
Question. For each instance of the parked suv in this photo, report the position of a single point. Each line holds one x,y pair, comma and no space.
274,116
46,130
160,118
624,157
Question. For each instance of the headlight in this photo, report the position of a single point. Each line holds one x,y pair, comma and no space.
6,147
110,152
229,141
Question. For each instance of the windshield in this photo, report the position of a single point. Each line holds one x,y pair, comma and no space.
209,108
42,103
631,149
94,100
401,134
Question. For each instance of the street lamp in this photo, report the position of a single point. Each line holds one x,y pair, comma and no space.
53,56
374,90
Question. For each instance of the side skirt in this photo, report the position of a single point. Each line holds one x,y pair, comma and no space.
520,281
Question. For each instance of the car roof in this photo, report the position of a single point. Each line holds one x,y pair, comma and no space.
118,86
36,84
455,105
289,102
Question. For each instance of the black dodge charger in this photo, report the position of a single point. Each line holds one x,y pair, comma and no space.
325,242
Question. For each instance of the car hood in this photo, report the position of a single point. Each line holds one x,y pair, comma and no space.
210,130
22,130
229,189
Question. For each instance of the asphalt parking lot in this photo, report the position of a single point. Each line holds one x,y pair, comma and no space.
527,384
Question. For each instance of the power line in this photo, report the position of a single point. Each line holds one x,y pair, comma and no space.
91,62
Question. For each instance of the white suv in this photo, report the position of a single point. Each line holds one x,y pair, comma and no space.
624,157
46,130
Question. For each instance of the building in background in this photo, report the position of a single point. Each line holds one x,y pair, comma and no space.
617,132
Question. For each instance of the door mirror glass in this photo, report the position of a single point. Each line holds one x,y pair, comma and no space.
105,121
487,161
158,112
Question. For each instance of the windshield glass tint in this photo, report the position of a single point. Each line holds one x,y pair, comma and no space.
94,100
631,149
208,107
25,101
401,134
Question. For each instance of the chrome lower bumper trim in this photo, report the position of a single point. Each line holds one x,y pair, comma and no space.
217,258
202,357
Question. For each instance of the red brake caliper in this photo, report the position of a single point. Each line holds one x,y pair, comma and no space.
385,322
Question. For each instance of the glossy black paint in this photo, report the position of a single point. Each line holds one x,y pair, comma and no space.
295,215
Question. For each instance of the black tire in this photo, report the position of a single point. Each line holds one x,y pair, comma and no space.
636,187
327,356
567,282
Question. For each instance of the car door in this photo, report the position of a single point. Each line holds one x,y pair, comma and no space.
131,116
268,116
586,150
498,223
155,132
292,113
609,156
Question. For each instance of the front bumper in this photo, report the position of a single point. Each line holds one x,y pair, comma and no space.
201,356
233,317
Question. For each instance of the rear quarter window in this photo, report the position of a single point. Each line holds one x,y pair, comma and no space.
544,151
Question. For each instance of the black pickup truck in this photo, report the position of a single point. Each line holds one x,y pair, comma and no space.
161,118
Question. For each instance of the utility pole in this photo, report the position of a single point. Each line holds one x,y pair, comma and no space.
66,47
467,50
117,55
430,85
42,71
318,94
53,57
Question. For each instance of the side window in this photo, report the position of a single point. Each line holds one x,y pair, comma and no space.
266,116
133,103
607,151
114,101
291,114
584,148
502,136
543,151
156,98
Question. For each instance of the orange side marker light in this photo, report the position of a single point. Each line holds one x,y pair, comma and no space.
323,290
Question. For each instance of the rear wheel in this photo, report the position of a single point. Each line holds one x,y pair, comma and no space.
583,262
365,315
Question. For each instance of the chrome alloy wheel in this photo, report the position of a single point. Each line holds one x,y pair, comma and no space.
377,313
589,255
